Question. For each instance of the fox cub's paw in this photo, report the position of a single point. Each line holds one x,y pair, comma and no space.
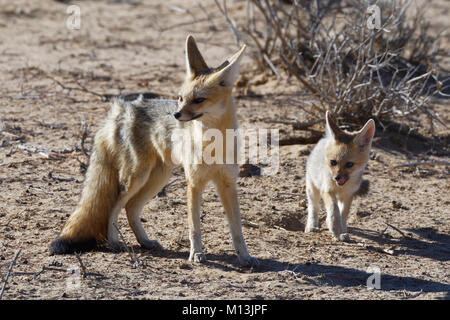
342,237
312,229
197,257
152,245
248,261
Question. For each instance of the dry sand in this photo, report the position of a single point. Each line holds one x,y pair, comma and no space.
132,46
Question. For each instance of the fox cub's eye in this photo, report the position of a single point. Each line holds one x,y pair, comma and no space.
333,162
180,98
349,164
198,100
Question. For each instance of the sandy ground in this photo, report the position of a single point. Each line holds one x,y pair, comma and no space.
131,46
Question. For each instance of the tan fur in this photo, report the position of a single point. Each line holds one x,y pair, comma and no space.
323,176
132,160
100,192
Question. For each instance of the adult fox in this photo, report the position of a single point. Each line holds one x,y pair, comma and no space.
132,160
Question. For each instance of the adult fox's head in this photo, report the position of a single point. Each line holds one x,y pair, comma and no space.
206,92
347,153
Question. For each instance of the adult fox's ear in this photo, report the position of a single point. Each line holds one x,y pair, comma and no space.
195,64
365,135
331,129
228,71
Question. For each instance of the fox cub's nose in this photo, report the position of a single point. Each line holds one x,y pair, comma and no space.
337,178
177,115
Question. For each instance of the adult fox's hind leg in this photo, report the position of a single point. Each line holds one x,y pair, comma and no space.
156,181
131,187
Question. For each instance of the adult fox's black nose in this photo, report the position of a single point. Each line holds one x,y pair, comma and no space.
177,115
338,177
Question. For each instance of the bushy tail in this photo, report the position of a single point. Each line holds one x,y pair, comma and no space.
363,188
89,223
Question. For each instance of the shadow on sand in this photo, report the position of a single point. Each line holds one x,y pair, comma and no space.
427,242
329,275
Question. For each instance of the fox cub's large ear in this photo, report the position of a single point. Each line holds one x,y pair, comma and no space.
195,64
229,70
331,128
365,135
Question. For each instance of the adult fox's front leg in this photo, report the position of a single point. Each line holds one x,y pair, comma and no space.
194,196
227,190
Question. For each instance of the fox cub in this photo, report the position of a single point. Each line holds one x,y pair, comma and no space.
135,151
334,172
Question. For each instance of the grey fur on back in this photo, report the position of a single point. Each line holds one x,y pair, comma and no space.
147,110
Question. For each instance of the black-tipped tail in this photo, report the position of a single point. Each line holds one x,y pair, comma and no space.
67,246
363,188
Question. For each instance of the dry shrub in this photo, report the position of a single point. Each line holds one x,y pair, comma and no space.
387,73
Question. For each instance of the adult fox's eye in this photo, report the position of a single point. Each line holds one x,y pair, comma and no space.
349,164
198,100
180,98
333,162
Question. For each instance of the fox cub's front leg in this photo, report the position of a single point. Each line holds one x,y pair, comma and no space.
334,220
312,224
344,208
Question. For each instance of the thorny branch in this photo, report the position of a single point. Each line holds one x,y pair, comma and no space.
390,73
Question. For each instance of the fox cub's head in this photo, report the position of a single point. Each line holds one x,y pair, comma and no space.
347,153
206,91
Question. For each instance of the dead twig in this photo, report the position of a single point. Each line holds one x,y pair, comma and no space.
297,125
134,260
162,193
398,230
410,296
377,249
231,23
84,135
81,88
272,66
45,268
213,26
41,151
9,272
50,175
314,138
420,163
288,194
45,152
83,268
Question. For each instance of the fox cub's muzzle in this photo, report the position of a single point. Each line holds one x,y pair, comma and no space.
340,179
